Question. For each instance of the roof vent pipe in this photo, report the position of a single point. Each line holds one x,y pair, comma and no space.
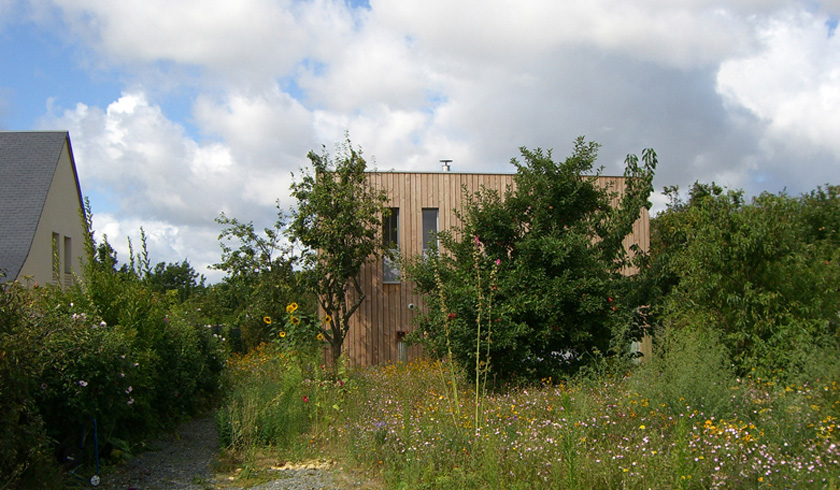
444,165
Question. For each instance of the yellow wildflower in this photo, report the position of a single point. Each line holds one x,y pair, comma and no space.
267,320
327,319
320,337
295,320
291,308
282,334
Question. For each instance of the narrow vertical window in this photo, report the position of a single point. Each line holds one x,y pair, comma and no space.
56,257
68,255
391,242
402,347
430,229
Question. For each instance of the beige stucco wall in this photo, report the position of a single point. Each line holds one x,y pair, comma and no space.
61,215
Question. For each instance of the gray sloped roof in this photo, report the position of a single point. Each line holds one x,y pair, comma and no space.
28,161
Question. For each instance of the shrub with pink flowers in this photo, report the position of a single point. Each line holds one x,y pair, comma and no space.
107,353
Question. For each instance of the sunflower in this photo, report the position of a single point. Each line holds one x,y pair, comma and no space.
327,319
295,320
291,308
267,320
282,334
320,337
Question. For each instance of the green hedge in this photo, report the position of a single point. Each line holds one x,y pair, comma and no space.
114,352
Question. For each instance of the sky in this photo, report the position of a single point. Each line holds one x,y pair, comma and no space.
179,111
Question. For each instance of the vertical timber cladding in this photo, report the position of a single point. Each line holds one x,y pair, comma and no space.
377,326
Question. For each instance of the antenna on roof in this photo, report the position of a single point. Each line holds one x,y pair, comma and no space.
445,165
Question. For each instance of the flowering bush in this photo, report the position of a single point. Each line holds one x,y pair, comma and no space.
112,352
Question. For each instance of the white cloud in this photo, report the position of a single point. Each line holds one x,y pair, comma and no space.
377,67
6,9
133,149
725,91
165,242
157,174
792,84
253,35
263,128
679,33
173,186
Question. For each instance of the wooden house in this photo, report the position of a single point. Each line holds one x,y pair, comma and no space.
42,226
421,203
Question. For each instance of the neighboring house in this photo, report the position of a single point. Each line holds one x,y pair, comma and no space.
422,203
42,225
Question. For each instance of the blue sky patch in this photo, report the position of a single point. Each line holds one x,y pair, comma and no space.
831,23
36,67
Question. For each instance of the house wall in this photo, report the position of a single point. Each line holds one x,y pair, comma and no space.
376,327
60,216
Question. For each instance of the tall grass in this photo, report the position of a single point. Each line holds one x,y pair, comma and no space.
277,399
621,430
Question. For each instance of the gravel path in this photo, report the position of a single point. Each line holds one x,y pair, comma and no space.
183,461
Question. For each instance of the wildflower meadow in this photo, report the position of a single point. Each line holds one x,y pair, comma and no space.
615,426
401,422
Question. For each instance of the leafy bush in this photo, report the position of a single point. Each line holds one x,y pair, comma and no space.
762,275
555,244
108,352
24,445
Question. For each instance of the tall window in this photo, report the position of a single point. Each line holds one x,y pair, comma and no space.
56,258
430,229
391,241
68,255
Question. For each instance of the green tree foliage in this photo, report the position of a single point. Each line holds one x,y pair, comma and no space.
179,280
555,241
764,275
260,278
336,221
